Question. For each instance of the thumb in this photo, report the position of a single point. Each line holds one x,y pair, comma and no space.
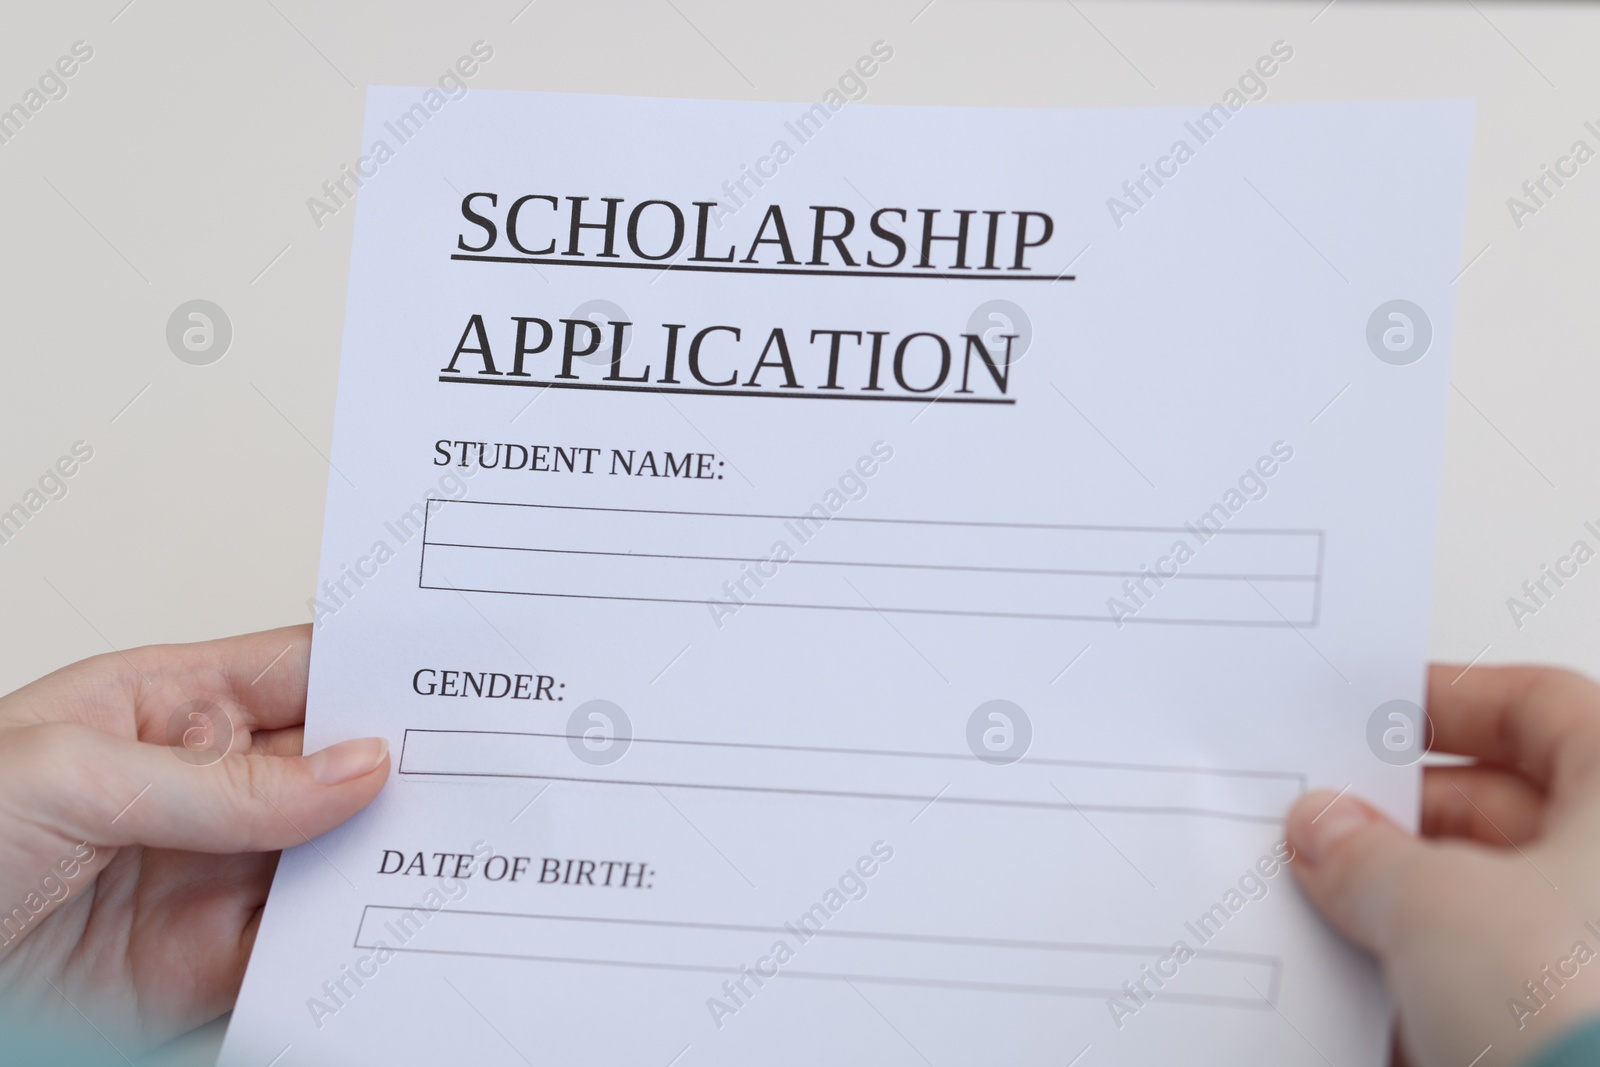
121,792
1355,865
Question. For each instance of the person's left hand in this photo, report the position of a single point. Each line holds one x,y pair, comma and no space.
134,855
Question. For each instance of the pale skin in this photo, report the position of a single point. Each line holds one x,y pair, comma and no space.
151,935
1502,881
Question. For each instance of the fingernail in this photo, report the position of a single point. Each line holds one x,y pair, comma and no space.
1322,833
347,760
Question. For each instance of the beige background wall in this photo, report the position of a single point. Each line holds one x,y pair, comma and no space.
179,163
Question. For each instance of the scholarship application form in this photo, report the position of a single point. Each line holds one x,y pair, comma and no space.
862,584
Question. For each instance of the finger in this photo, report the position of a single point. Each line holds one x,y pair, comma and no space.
1534,720
265,673
111,791
1353,863
289,741
1483,804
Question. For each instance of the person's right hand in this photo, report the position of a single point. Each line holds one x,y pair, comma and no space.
1500,887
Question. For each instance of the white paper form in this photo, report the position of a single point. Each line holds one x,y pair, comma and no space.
808,636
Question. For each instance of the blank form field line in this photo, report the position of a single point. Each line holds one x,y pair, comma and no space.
859,775
886,565
979,523
980,964
1157,768
906,566
1127,620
